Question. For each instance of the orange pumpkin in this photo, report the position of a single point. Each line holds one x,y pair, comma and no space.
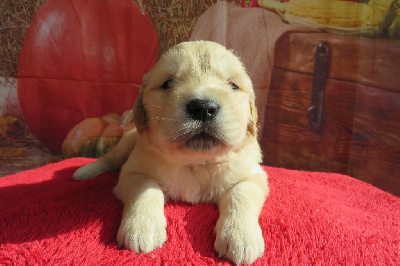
108,139
85,53
94,137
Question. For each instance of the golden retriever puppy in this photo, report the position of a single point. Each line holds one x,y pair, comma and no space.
195,141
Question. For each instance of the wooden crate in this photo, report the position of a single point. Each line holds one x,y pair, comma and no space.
360,134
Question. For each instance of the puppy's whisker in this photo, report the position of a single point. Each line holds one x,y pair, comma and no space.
152,105
155,120
163,118
181,133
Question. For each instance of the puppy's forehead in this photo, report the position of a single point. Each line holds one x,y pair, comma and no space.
202,57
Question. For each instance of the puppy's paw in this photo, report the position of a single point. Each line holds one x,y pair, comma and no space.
90,171
239,241
142,233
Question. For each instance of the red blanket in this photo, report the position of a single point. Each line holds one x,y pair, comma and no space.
308,218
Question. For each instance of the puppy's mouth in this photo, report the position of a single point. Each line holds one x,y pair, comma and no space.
202,141
203,138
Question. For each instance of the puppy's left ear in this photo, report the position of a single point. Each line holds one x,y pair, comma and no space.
252,124
139,111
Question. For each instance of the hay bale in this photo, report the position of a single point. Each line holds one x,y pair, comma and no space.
174,21
15,17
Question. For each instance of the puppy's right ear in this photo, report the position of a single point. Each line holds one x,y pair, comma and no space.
139,110
252,124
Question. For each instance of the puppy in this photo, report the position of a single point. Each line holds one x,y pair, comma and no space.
195,141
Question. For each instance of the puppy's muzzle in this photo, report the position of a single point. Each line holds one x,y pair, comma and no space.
203,132
202,110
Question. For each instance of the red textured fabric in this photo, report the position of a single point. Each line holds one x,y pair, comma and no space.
308,218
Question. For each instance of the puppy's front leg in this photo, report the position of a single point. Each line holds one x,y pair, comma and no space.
143,225
112,161
238,233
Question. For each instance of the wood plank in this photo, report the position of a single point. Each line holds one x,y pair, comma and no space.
377,116
360,137
372,62
375,149
377,164
286,135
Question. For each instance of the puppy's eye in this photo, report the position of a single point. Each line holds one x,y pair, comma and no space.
167,84
234,86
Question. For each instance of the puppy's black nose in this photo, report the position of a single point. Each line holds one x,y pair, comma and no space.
202,110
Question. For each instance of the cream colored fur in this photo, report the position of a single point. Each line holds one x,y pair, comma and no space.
158,164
